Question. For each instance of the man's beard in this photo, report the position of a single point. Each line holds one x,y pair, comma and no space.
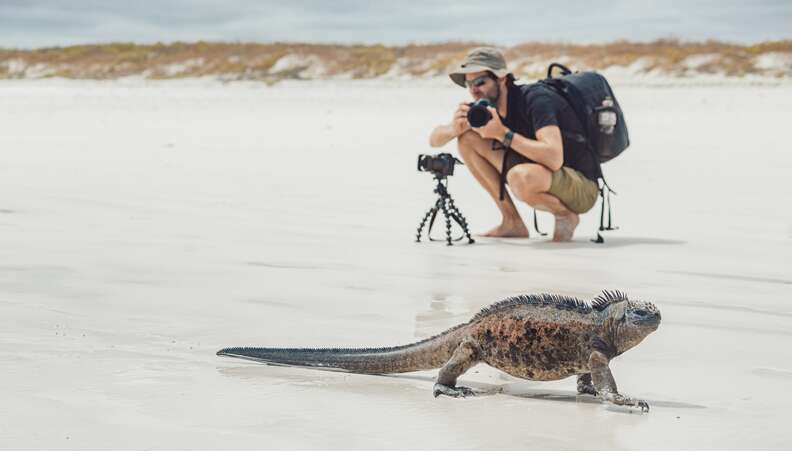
493,99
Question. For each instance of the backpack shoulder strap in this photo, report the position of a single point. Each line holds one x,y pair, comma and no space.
571,95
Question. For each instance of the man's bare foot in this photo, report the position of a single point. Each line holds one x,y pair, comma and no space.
509,230
565,227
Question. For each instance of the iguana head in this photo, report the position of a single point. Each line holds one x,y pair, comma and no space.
629,321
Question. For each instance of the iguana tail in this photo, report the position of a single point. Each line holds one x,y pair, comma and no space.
430,353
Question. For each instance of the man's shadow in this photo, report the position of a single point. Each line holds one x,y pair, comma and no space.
545,243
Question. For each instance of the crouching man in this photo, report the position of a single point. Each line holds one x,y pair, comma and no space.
528,144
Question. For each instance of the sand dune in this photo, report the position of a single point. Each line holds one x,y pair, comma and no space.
275,62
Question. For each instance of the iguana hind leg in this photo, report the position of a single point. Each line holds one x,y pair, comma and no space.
464,357
605,385
584,385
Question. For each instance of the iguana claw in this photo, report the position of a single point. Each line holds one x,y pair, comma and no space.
454,392
621,400
587,390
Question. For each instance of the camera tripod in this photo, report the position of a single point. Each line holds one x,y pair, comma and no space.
445,204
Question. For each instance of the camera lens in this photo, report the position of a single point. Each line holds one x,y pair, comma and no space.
423,162
478,114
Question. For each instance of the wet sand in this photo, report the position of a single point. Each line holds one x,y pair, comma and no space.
143,226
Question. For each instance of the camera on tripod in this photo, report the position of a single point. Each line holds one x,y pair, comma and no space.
441,165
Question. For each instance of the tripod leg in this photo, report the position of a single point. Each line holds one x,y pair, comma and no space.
423,222
448,223
435,210
460,219
463,223
456,216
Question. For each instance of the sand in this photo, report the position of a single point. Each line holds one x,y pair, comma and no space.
144,225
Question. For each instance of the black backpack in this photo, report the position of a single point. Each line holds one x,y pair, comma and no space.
606,136
592,99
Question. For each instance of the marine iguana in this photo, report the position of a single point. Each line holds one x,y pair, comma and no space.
540,337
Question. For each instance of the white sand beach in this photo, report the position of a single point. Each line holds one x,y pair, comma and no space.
145,225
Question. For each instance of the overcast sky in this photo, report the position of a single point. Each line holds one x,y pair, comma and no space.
36,23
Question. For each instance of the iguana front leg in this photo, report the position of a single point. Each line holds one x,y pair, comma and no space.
464,357
605,385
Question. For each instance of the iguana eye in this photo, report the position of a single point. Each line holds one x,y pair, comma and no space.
641,312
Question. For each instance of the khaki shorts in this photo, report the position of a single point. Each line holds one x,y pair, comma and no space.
577,192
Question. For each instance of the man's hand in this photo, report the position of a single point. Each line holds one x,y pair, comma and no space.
494,129
460,123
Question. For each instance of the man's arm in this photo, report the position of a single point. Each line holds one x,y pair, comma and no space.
547,149
444,133
441,135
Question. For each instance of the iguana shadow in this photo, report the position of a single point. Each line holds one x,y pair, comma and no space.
520,390
516,389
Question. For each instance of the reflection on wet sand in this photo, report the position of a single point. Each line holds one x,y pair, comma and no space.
439,316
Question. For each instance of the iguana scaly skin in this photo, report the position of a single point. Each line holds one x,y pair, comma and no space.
538,337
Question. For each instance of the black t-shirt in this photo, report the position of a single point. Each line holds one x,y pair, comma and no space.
531,107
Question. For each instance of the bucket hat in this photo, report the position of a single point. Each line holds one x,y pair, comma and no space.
480,59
